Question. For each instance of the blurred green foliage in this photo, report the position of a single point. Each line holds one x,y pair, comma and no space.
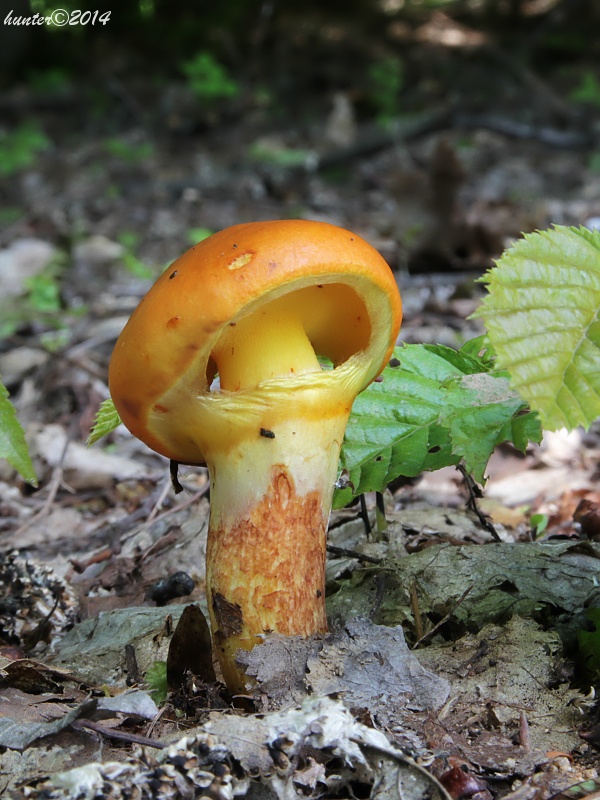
9,215
130,240
20,147
44,292
278,155
280,53
385,82
208,79
588,91
40,304
49,81
130,152
195,235
594,162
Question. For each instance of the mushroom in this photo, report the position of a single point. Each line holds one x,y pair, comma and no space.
246,356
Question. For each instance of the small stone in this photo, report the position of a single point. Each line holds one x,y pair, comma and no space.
23,259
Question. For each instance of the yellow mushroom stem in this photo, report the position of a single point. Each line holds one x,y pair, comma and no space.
272,484
269,343
265,558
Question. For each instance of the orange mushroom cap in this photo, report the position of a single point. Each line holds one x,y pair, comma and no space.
337,287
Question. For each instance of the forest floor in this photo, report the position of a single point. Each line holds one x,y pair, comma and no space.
497,703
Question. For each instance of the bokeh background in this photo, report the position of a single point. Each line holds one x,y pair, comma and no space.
440,128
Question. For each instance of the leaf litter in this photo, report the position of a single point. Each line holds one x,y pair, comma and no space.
475,705
469,697
306,751
476,653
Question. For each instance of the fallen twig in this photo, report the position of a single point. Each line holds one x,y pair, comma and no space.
112,733
474,493
342,551
376,140
444,619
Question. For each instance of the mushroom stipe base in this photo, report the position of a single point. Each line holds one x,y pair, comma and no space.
266,542
292,576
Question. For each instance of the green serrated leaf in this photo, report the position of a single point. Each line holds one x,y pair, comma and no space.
468,363
107,419
13,446
542,315
481,348
388,431
479,415
433,409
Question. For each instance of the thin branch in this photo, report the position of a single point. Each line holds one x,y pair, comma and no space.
474,494
342,551
113,733
444,619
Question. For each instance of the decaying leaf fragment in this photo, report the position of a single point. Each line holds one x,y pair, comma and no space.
17,734
370,665
502,579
